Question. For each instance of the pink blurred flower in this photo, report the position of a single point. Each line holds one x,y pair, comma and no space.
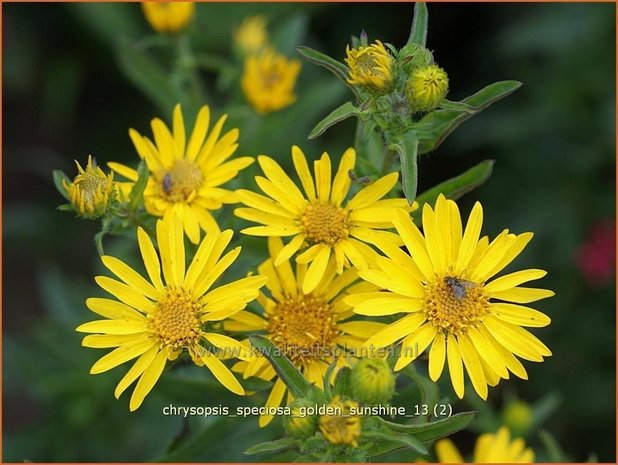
596,257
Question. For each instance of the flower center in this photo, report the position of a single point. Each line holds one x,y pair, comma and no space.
304,328
91,184
324,222
454,304
365,63
176,322
180,183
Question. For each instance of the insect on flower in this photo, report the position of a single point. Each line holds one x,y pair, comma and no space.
459,286
167,183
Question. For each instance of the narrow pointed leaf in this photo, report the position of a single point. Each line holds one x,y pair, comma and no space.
418,33
59,176
337,68
434,127
431,431
456,106
337,115
385,439
455,187
272,446
137,191
287,372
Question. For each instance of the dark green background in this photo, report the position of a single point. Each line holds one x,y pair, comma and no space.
65,95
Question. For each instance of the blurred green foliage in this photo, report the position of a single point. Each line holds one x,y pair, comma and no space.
74,83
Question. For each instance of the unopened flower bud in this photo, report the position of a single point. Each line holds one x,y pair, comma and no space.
373,381
517,415
344,428
426,88
92,191
414,56
299,424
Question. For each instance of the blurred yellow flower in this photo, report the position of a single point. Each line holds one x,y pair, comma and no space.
155,321
168,17
317,219
427,87
441,285
370,66
490,448
185,177
312,329
91,191
344,428
251,35
268,81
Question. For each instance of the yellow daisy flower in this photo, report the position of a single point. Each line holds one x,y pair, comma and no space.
268,81
317,218
312,329
155,321
251,36
443,287
490,448
92,191
185,178
370,66
168,17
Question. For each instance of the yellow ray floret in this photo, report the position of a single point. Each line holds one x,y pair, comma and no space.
186,175
490,448
268,81
448,301
320,219
154,320
312,329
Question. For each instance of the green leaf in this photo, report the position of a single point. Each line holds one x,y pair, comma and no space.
434,127
337,68
456,187
555,454
384,439
147,75
65,207
342,384
418,33
456,106
59,176
287,372
272,446
431,431
137,191
407,148
337,115
428,390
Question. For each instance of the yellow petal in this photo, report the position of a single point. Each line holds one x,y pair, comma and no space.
265,204
415,344
148,379
121,355
199,133
512,280
113,309
519,315
395,331
447,452
112,327
302,168
274,400
178,132
151,260
129,276
488,351
455,367
433,239
222,373
522,295
373,192
414,241
136,370
437,355
473,365
516,339
470,238
342,181
273,171
322,171
125,294
316,270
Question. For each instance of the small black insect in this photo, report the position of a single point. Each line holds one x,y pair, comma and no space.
459,287
167,183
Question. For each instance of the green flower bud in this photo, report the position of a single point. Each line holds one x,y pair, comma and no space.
299,424
414,56
517,415
426,88
373,381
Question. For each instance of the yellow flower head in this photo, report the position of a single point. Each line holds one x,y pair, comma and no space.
341,427
312,329
490,448
518,416
370,66
251,36
168,17
443,288
91,191
318,219
157,319
426,88
185,177
268,81
373,381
